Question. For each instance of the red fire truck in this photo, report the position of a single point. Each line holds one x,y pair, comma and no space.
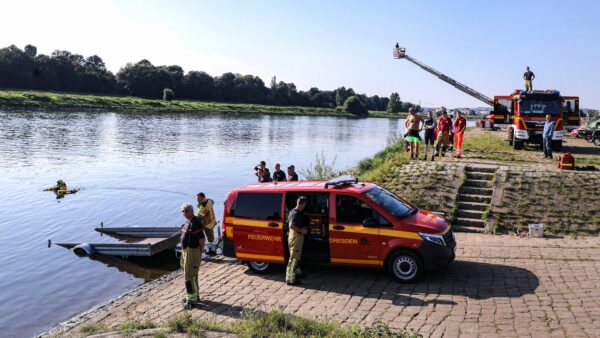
524,114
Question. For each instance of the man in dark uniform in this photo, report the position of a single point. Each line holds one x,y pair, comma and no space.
278,174
528,76
297,229
292,176
192,244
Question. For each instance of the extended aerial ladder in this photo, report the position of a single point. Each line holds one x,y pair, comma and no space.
400,53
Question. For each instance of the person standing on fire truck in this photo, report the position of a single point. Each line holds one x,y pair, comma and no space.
297,229
528,77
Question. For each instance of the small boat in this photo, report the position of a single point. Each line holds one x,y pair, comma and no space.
136,241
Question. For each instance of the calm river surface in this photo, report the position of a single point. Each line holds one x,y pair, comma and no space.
133,169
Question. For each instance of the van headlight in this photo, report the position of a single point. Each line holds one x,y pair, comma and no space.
433,238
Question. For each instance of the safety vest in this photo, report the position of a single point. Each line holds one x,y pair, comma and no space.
207,214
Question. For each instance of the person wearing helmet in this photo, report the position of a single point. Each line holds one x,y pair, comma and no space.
60,186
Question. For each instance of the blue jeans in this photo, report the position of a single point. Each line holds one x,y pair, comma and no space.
547,143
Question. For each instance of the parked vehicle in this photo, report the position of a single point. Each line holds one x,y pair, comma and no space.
586,132
350,223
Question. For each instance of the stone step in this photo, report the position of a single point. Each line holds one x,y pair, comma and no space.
470,214
476,183
472,206
476,191
461,228
474,198
481,169
469,222
479,176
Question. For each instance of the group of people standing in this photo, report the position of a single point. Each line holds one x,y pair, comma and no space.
264,174
443,129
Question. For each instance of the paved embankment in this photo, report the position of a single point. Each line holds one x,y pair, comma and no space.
499,286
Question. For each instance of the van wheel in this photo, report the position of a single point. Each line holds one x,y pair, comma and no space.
405,266
259,267
518,145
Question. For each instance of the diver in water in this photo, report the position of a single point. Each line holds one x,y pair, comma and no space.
60,189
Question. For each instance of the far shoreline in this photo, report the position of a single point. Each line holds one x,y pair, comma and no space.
22,100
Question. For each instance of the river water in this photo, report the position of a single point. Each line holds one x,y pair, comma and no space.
133,169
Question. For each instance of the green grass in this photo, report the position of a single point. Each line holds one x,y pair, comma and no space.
279,324
53,100
90,329
493,146
490,147
376,168
132,326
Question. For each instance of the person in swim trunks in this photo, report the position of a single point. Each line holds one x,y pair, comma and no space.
429,126
413,126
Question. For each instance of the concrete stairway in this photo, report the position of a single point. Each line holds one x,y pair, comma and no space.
474,197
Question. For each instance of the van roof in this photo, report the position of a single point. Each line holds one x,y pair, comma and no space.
316,186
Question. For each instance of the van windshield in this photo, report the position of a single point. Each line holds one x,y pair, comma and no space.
390,202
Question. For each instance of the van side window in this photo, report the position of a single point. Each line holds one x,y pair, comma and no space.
258,206
352,210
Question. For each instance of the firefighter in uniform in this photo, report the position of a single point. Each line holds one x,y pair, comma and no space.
297,229
192,243
207,214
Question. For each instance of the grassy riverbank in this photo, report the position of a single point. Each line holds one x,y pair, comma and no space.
531,189
67,101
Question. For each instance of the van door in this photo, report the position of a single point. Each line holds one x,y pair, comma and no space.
350,240
257,220
316,214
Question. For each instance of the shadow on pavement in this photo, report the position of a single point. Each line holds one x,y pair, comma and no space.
474,280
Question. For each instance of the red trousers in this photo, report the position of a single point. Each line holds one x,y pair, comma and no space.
458,142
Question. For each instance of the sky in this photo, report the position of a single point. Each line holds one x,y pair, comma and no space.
327,44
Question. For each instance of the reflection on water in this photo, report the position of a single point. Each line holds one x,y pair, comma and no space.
133,169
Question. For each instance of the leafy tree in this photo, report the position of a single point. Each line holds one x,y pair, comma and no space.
394,105
353,105
30,50
248,88
224,86
143,79
168,94
198,85
341,94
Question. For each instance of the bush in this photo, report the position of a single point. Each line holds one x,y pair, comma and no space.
320,171
168,94
355,107
394,104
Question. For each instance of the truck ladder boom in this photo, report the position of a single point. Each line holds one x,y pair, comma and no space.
400,54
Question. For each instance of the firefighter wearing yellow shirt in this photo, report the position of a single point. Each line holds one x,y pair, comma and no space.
207,214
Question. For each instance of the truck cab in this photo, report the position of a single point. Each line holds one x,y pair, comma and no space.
350,223
524,114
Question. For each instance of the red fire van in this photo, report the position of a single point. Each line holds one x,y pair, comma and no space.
350,223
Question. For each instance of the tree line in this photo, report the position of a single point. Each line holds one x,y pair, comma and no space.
65,71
